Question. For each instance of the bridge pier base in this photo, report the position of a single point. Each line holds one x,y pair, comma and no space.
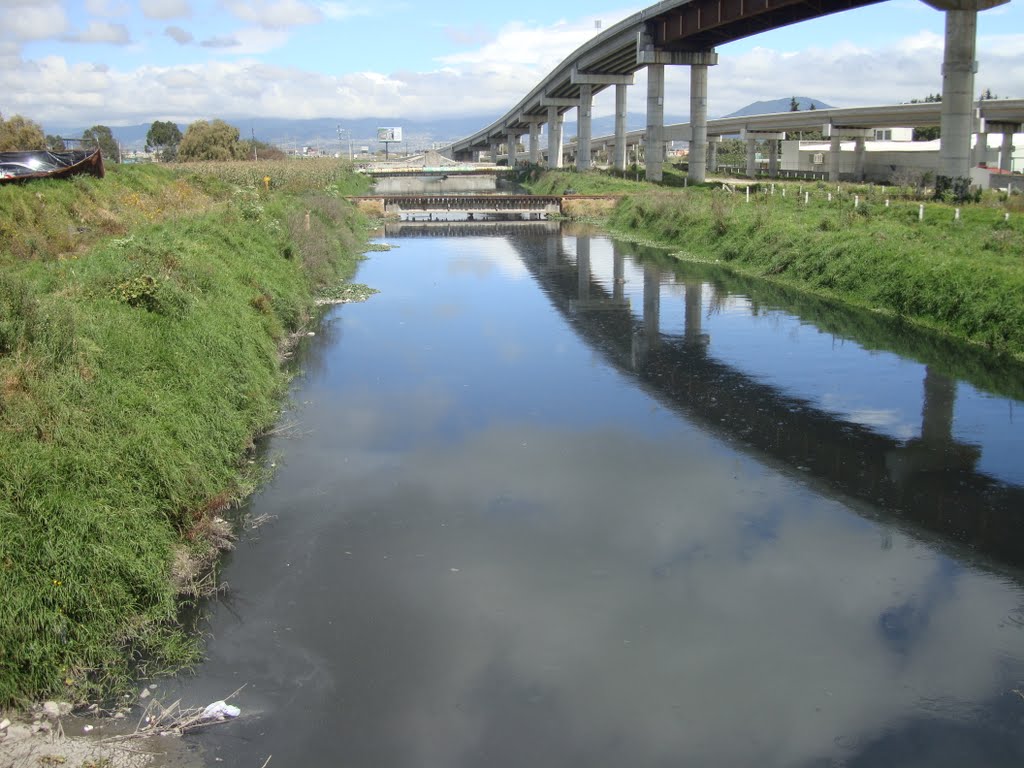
751,158
534,142
773,158
834,152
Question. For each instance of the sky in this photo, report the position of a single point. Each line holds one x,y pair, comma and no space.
121,62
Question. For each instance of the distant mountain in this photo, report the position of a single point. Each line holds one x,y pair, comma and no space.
778,105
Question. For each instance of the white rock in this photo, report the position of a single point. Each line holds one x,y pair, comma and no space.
4,724
144,694
51,709
86,728
65,708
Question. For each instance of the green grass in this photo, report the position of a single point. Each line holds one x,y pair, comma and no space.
964,278
134,374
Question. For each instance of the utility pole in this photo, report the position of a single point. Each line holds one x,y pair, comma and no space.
255,154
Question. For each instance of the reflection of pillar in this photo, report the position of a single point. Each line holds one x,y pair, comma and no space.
652,304
618,273
833,157
937,412
859,150
697,161
654,149
751,158
552,250
583,265
694,310
620,127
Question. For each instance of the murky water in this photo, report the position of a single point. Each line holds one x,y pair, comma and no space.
546,502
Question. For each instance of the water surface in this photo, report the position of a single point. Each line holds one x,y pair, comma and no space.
549,501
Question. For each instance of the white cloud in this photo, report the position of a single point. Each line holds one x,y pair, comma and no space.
274,14
108,8
101,32
336,11
35,21
165,9
179,35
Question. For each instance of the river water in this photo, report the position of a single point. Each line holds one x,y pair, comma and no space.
551,500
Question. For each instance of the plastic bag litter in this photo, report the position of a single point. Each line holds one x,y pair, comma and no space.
220,710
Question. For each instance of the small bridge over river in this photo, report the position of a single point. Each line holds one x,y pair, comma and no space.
443,206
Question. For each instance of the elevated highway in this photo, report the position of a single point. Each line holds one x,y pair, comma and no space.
685,32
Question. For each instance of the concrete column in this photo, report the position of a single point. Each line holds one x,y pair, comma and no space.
834,151
958,68
620,127
751,158
534,143
583,266
554,138
511,139
583,127
1006,152
980,149
773,158
693,312
697,165
654,145
495,146
859,152
713,157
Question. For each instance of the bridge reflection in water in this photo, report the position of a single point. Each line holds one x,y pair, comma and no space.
929,484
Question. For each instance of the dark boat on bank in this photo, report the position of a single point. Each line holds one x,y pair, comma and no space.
45,164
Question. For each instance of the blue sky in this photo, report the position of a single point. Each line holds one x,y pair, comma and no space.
120,62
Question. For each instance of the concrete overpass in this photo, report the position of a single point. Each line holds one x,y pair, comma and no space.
685,32
1004,117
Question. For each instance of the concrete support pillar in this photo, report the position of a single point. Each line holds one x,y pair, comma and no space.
654,145
773,158
980,149
511,139
834,152
693,312
751,158
1006,152
583,127
534,143
554,138
620,127
713,156
697,165
583,266
859,152
495,146
958,68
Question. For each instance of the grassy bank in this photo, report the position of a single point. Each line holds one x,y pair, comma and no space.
963,277
141,318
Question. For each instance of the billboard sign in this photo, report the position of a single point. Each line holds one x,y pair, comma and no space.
389,134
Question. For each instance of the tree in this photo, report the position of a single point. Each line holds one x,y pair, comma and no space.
55,143
930,133
101,135
794,105
214,140
20,133
164,138
812,107
260,150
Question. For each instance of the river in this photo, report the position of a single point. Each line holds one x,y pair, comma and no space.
549,499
